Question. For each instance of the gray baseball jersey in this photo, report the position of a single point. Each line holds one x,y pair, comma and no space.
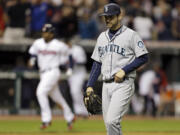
118,52
114,54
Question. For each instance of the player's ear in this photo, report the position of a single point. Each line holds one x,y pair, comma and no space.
121,15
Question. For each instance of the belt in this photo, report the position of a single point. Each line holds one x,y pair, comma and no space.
112,80
109,80
48,69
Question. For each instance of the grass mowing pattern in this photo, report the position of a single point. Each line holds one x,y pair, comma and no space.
151,126
90,127
58,126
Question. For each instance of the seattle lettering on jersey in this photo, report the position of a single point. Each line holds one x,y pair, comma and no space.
111,48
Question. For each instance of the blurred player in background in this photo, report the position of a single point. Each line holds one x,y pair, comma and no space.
147,83
48,52
152,85
77,79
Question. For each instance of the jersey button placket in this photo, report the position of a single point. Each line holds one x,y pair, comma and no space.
110,58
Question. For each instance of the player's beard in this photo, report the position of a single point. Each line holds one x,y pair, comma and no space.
115,26
112,26
108,25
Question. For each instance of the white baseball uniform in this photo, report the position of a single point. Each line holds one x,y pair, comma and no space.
146,86
146,82
114,54
77,79
48,59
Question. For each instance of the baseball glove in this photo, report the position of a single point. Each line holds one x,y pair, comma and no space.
93,103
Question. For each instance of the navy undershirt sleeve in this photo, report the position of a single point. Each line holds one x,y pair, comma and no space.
33,56
71,63
94,74
139,61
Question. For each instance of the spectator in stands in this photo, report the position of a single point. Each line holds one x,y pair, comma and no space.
131,12
57,3
2,22
100,25
87,27
56,18
147,6
40,14
174,10
159,9
16,20
67,26
62,13
143,25
101,3
164,25
176,23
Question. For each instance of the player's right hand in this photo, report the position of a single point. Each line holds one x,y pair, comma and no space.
31,62
69,72
119,76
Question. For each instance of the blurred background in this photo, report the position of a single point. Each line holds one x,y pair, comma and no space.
157,22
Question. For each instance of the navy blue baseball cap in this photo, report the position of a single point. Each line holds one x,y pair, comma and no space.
48,28
111,9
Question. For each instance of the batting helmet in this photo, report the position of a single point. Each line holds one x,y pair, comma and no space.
48,28
111,9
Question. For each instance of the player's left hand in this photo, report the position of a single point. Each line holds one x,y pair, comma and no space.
69,72
92,101
89,90
119,76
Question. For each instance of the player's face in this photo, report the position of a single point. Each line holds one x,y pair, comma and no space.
112,22
48,36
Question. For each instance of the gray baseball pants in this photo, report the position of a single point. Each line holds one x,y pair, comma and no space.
116,98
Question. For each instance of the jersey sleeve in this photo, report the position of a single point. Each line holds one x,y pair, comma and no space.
95,54
64,52
138,45
81,55
64,49
33,50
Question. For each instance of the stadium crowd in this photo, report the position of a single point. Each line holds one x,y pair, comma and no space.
152,19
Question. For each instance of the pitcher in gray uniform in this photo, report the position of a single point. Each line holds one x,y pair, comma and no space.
119,51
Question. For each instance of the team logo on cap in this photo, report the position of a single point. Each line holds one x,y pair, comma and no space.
105,8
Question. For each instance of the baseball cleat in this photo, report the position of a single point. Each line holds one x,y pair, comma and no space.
84,116
45,125
70,124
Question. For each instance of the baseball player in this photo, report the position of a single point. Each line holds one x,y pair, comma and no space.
48,52
147,83
77,79
119,51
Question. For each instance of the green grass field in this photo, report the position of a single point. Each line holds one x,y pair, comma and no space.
24,125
